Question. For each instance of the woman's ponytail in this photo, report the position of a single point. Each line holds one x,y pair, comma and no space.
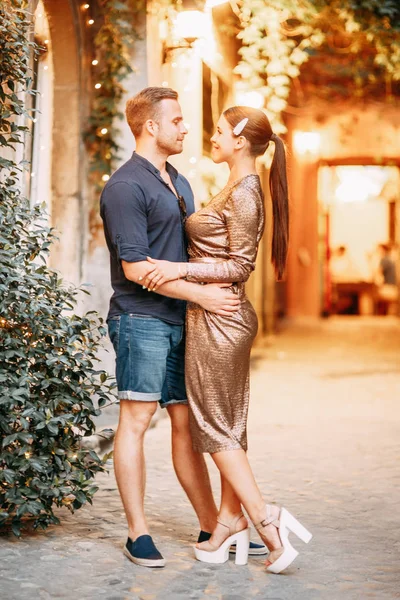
280,207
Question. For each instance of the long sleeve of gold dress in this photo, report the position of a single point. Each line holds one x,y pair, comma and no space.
223,242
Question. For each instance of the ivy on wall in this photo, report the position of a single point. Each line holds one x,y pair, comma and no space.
279,37
112,46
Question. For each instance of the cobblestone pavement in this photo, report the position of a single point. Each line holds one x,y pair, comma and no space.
324,441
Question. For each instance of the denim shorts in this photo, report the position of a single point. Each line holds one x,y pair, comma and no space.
150,359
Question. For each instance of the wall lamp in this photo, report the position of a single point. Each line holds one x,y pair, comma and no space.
187,27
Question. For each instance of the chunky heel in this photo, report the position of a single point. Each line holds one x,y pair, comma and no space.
242,547
209,553
289,521
282,557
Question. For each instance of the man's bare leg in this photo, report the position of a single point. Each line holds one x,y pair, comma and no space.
129,464
190,468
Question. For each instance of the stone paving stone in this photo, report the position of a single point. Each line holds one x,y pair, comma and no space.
323,441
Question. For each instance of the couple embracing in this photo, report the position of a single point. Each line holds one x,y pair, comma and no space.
184,345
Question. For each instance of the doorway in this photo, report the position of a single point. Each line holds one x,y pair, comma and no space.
359,206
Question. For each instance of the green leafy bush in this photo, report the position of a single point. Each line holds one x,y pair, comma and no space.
48,354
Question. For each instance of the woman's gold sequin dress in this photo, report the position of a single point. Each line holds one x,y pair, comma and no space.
223,241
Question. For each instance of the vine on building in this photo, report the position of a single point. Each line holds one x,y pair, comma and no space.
279,38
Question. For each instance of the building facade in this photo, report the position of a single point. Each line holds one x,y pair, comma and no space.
196,55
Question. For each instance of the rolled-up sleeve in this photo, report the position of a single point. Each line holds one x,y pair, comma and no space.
125,216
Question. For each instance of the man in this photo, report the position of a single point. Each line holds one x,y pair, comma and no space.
143,206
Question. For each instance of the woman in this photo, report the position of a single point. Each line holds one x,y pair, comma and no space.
223,240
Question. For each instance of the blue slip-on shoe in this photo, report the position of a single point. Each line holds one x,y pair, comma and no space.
143,552
254,549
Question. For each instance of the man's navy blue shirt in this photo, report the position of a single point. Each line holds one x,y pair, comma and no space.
141,218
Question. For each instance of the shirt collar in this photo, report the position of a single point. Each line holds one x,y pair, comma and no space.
150,167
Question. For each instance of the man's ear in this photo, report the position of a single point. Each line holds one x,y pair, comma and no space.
151,127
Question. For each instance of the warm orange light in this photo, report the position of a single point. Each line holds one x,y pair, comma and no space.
306,142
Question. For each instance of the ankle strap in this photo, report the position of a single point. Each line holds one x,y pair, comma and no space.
232,523
269,520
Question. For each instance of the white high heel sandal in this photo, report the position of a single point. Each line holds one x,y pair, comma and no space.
220,554
281,558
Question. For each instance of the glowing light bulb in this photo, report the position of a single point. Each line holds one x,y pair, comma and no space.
27,454
45,67
85,6
104,131
95,62
91,21
46,41
97,86
105,177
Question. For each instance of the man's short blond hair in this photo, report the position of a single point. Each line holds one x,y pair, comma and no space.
145,105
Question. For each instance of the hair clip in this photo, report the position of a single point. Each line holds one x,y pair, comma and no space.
237,130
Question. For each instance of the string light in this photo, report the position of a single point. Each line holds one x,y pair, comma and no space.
105,177
46,41
97,86
85,6
104,131
27,454
95,62
91,21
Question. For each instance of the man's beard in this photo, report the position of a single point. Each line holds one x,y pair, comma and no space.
168,146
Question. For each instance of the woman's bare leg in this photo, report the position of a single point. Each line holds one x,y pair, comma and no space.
230,506
235,469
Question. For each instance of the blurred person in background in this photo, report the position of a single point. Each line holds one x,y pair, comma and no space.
386,279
